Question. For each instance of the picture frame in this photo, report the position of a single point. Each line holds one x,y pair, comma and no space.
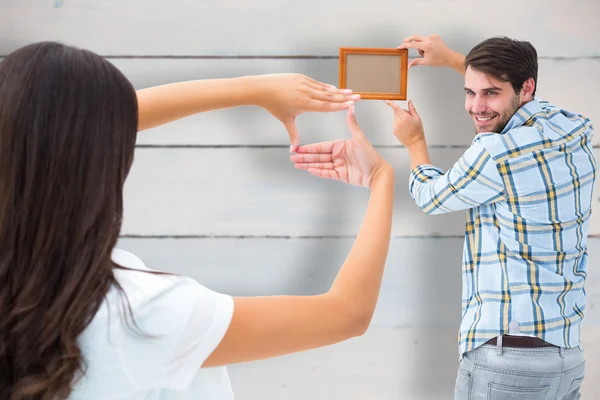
374,73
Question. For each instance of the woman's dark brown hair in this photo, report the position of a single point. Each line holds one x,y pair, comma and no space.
505,59
68,124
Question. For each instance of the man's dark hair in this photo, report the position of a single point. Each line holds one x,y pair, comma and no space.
505,59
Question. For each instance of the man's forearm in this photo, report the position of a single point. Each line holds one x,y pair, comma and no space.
418,154
457,62
161,104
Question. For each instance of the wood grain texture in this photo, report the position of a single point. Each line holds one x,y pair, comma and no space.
437,93
257,192
270,27
384,364
264,228
421,285
409,351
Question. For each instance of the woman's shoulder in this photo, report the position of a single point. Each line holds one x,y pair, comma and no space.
185,321
142,284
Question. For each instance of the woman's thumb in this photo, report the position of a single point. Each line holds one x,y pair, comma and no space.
353,124
290,126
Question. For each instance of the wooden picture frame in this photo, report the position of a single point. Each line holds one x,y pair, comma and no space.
374,73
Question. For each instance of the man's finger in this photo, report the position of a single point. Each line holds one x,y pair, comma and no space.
397,109
418,38
411,45
415,61
412,109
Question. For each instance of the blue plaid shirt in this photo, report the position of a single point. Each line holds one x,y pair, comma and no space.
528,196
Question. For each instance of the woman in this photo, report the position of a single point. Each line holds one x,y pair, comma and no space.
82,320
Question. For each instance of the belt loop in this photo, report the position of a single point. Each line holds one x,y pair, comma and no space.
499,346
561,351
460,357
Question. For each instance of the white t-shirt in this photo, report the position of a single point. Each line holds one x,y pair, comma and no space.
189,321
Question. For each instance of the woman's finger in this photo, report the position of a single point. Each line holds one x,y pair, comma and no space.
328,165
328,106
309,158
321,147
321,85
324,173
335,98
322,95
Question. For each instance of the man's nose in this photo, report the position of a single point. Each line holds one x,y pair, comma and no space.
479,105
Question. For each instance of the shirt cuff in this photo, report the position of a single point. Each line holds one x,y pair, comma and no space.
422,174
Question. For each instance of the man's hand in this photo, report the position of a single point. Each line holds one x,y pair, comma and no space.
408,127
435,52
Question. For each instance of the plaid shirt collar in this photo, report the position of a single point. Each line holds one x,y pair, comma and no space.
522,115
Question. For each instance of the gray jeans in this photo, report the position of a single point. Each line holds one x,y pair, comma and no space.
493,372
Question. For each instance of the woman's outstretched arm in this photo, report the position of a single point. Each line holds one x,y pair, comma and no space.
285,96
264,327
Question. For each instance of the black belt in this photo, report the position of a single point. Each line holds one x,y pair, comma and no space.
520,341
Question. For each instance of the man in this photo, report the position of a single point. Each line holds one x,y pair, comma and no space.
526,182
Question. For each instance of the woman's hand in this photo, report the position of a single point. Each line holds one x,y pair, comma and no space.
286,96
354,161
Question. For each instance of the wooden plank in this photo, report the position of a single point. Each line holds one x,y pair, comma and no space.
257,192
445,119
573,85
412,338
418,283
436,92
384,364
243,191
269,27
421,284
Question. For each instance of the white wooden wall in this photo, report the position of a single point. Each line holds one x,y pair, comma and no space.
214,196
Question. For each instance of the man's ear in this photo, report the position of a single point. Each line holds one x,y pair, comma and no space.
527,89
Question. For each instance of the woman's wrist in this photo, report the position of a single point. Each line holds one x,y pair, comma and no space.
384,172
253,90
